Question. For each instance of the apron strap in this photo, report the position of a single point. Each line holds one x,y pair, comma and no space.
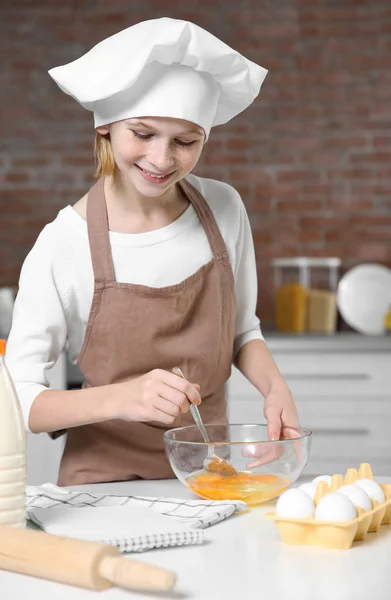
205,215
98,233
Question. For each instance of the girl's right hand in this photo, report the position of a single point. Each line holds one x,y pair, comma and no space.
156,396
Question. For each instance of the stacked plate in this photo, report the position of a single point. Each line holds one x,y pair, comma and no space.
364,298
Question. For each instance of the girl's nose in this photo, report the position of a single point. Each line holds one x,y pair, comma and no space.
160,157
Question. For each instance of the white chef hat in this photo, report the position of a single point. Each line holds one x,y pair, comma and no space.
162,68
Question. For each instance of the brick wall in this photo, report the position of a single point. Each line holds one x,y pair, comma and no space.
311,157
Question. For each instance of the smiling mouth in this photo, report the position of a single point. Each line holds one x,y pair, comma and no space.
156,176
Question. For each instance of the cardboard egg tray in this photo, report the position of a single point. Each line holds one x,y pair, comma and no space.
333,534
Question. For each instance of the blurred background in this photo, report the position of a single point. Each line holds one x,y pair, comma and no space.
310,158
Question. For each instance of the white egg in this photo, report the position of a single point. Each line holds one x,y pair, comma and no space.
309,488
372,488
335,507
295,504
326,478
357,495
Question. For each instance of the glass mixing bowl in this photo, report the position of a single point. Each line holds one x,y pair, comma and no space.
264,469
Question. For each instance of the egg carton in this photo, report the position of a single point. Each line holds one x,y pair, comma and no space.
332,534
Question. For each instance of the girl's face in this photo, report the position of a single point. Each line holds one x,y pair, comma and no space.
153,153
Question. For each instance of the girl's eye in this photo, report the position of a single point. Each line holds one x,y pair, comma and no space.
148,136
184,143
142,136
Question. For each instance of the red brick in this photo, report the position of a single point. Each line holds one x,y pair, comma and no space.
361,205
309,235
239,144
285,222
320,189
306,143
347,141
78,161
15,177
297,175
369,234
262,237
262,204
370,252
321,158
372,220
226,159
311,62
373,157
33,161
322,223
246,174
382,189
299,206
29,195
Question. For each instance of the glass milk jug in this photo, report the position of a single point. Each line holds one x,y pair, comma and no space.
12,451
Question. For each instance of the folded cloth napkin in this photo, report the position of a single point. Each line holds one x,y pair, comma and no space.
132,523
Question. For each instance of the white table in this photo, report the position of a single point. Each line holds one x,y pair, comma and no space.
243,559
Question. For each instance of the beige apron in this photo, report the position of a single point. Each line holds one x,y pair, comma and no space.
133,329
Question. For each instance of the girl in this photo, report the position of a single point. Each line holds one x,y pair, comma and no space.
153,268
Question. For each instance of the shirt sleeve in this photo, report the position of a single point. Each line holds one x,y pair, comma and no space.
247,326
38,333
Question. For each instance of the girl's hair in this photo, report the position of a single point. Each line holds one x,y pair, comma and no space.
104,159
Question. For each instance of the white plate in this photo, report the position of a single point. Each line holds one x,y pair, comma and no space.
364,297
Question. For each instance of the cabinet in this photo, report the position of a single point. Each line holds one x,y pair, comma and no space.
342,388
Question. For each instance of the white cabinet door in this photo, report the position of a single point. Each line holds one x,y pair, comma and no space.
337,373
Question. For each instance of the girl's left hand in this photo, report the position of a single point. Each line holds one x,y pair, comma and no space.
280,412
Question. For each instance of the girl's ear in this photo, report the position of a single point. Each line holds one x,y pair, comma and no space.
103,129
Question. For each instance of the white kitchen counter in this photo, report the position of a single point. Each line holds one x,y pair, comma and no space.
242,559
341,341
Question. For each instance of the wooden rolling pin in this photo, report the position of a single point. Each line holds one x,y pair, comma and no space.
77,562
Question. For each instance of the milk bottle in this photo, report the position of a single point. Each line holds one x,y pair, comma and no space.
12,451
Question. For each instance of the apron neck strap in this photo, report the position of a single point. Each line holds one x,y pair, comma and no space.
205,215
98,233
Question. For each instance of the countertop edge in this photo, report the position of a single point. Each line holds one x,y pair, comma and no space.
338,342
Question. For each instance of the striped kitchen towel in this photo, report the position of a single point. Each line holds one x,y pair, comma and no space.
132,523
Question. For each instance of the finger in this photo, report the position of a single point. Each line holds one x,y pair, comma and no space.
176,397
263,454
182,385
170,408
292,431
198,387
273,417
162,417
290,419
260,450
259,462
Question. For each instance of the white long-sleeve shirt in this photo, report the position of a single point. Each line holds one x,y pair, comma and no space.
56,282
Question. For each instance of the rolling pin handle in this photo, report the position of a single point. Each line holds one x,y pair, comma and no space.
136,575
